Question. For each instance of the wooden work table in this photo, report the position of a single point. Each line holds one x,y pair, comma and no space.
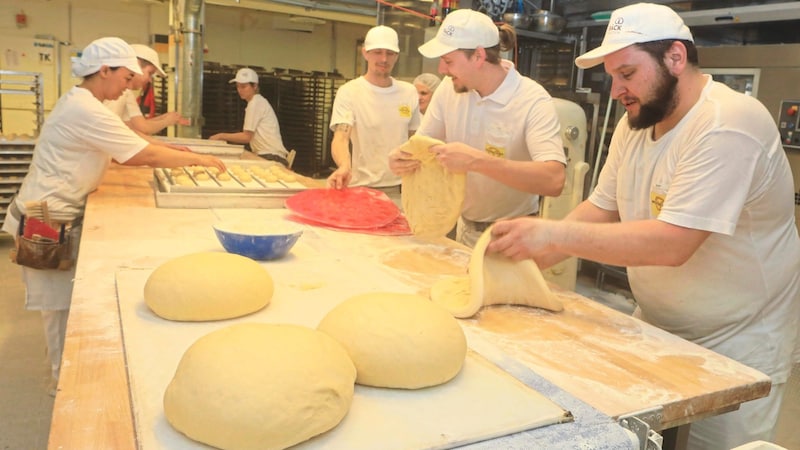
613,362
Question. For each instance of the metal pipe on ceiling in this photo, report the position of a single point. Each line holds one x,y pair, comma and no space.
187,30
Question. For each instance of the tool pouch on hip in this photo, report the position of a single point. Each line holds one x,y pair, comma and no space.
42,253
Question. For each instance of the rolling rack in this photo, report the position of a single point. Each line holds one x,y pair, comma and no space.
16,151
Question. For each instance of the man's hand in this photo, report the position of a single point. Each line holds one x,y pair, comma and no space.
457,157
217,137
521,238
340,178
402,163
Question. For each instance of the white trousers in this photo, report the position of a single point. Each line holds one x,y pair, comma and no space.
753,421
55,330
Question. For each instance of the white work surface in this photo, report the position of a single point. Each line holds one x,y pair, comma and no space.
481,402
585,357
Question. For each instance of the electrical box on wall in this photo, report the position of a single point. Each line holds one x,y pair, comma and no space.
788,122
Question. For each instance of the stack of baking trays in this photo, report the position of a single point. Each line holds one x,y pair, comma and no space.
245,184
16,153
206,146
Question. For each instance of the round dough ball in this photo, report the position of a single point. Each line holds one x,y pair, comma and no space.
260,386
208,286
224,177
398,340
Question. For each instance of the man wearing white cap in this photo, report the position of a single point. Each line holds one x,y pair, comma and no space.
499,127
374,112
79,139
695,198
261,131
128,108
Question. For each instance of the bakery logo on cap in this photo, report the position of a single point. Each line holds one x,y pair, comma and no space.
450,30
617,25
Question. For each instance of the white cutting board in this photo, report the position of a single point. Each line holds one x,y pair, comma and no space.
482,402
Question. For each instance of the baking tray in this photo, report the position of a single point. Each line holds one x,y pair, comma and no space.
202,188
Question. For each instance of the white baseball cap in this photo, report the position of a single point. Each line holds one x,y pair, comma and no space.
148,54
462,29
381,37
245,75
107,51
635,24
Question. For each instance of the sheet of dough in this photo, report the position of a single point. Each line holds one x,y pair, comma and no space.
431,196
494,279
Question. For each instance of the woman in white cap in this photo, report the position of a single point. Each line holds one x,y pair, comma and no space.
695,199
127,107
78,141
260,131
500,127
426,84
375,113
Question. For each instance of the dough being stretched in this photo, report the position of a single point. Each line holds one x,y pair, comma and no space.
432,195
260,386
494,279
208,286
398,340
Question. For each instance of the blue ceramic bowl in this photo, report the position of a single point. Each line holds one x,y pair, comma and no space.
258,241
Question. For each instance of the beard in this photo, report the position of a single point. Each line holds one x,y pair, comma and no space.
663,102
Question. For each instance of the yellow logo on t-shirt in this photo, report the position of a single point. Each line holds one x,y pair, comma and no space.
656,202
405,111
495,151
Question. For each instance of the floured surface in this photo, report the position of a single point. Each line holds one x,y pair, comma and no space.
481,402
614,362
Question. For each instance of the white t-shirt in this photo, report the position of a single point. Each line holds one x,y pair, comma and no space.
721,169
518,121
260,118
77,142
382,118
125,106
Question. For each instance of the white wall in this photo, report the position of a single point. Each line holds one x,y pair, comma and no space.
233,35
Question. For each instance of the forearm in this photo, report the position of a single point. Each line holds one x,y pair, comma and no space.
340,152
156,124
241,137
536,177
154,155
635,243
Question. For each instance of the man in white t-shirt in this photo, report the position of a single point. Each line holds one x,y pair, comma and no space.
500,127
260,131
375,113
695,199
128,108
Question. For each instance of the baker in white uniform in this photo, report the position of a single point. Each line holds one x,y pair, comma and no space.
128,108
260,130
76,144
695,199
501,128
374,112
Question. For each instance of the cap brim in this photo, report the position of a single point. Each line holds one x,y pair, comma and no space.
435,49
595,57
232,81
161,72
134,68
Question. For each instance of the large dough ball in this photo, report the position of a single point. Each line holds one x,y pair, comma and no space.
208,286
260,386
398,340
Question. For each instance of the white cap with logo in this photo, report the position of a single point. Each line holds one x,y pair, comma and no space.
636,24
148,54
462,29
107,51
245,75
381,37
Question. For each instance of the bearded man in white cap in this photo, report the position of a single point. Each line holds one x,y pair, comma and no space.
695,199
128,108
376,113
261,132
79,139
500,127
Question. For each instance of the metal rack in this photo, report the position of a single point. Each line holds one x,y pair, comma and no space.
16,151
24,83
